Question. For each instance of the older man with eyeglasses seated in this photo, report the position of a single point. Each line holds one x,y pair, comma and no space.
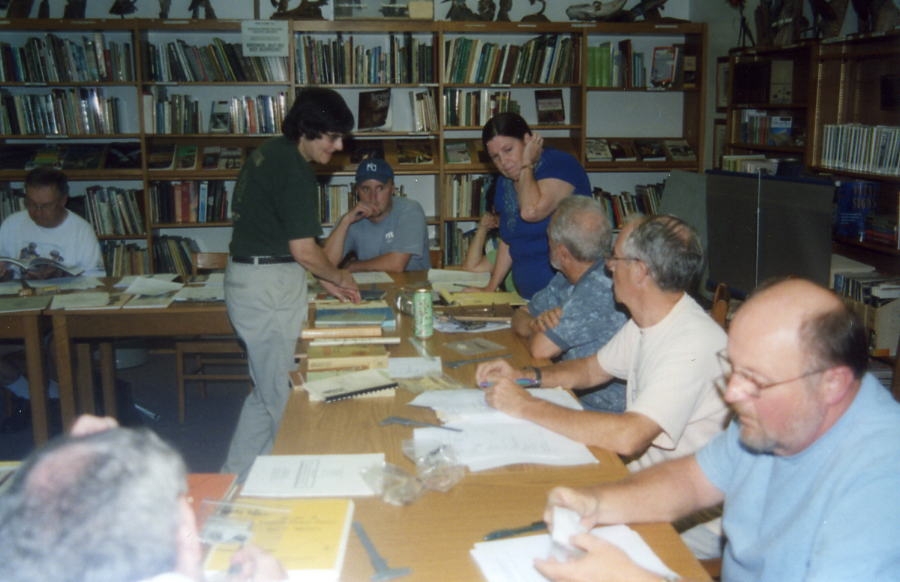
808,468
666,353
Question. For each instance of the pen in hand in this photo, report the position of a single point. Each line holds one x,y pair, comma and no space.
526,382
514,531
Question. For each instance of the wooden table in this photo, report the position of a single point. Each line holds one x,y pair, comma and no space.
434,534
28,326
72,327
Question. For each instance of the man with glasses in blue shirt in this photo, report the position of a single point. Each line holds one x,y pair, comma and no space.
808,469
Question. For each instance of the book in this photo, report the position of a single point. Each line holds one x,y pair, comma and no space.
374,111
781,81
550,106
780,130
415,151
482,298
321,357
14,303
354,331
123,156
457,152
363,149
161,156
209,157
220,117
622,150
46,156
662,68
310,475
308,536
349,385
650,150
679,150
596,149
32,264
185,157
231,158
209,487
346,315
83,156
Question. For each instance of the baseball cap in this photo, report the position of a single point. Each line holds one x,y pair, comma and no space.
374,169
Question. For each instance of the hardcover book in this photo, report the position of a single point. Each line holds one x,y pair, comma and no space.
650,150
186,157
349,356
662,69
415,151
680,150
374,110
622,150
597,150
550,106
123,155
33,264
457,152
161,156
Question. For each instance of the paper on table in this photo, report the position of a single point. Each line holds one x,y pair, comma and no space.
482,446
129,279
469,405
66,283
513,558
147,286
452,327
370,277
310,475
10,287
84,300
201,293
413,367
451,277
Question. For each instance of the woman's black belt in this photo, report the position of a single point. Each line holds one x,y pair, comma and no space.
262,260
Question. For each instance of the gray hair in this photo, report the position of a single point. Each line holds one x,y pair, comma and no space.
670,248
94,508
581,225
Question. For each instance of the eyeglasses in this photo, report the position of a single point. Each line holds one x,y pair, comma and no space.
31,205
755,386
614,258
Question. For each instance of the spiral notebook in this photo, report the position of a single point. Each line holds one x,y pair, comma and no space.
350,385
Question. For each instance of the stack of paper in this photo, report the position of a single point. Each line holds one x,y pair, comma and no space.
513,558
310,475
490,438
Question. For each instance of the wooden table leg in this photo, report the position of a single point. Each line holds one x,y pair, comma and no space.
64,370
85,378
37,385
108,376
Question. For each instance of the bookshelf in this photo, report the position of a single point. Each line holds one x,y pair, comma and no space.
845,105
178,86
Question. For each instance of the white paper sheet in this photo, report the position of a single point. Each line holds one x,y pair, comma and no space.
512,560
310,475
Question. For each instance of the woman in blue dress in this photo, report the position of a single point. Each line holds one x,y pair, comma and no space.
533,180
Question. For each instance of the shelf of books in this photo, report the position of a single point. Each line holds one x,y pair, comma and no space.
169,110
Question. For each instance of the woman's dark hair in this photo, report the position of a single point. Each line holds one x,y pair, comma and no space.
317,111
506,124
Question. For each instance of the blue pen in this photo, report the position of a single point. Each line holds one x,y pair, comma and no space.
526,382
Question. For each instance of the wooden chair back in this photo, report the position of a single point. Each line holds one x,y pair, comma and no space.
719,309
201,262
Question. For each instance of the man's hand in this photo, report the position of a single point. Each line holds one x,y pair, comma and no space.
88,424
360,211
345,289
602,562
251,564
581,501
494,370
507,396
546,320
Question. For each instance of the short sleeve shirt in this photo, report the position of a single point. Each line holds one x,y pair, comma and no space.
401,231
589,314
275,201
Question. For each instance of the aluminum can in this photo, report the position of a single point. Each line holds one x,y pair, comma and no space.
423,320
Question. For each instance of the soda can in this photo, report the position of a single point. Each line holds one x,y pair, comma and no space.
423,321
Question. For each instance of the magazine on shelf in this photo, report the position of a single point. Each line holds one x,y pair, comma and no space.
374,110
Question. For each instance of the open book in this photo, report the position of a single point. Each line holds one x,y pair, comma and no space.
35,263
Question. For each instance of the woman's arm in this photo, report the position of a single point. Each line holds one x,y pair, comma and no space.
537,198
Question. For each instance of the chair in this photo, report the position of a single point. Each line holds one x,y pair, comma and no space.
719,309
208,351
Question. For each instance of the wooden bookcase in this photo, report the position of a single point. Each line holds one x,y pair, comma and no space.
674,111
847,85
